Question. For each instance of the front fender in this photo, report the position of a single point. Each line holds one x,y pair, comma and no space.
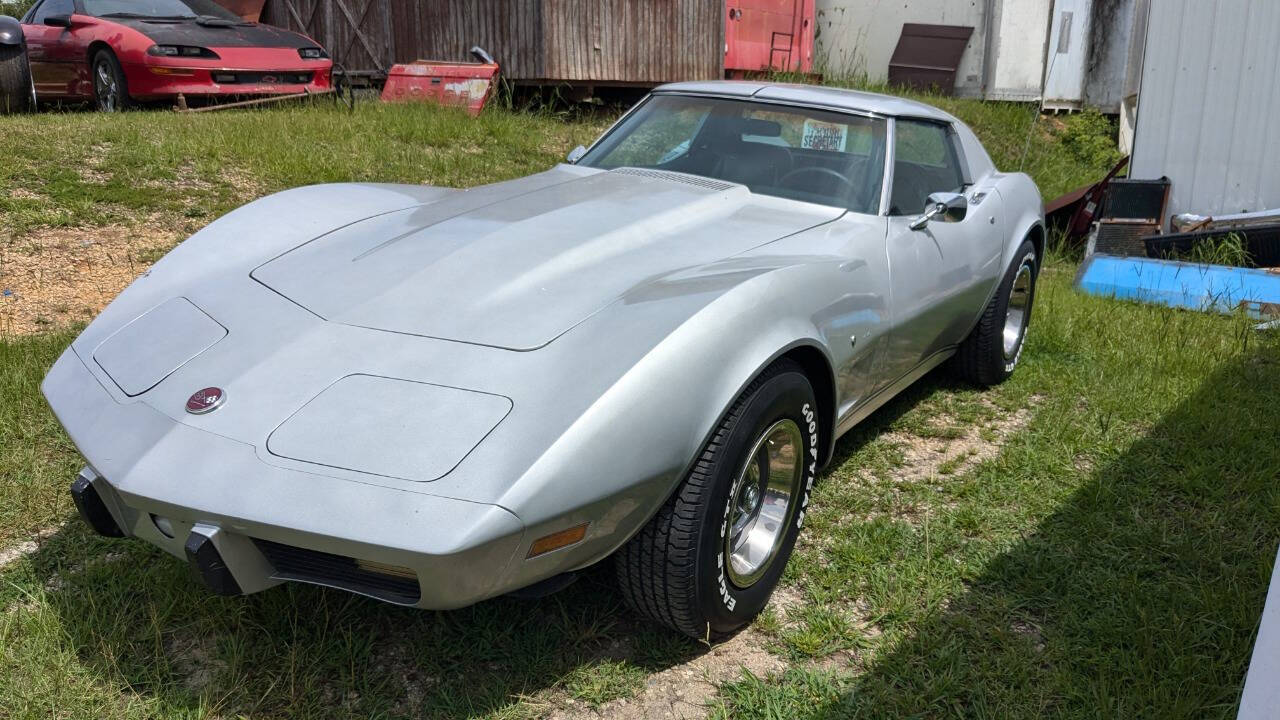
11,32
620,460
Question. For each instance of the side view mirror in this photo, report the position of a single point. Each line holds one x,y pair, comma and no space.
576,154
944,207
63,21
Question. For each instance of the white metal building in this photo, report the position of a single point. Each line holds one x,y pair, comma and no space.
1208,102
857,37
1063,53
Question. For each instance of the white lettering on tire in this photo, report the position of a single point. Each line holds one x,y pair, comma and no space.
811,471
813,463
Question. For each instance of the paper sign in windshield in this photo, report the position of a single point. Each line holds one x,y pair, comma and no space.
820,135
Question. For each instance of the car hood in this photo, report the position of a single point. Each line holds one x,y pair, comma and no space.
517,271
213,35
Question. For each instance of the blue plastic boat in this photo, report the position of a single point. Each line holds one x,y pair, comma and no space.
1193,286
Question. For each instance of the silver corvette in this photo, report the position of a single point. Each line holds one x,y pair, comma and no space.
433,396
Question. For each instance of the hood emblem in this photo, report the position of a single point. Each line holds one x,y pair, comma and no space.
206,400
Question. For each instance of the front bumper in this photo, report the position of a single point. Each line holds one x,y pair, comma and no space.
215,502
152,80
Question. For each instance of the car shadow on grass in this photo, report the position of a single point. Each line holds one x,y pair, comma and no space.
141,622
1138,597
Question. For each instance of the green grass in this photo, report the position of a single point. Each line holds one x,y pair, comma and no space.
1095,540
79,168
1110,562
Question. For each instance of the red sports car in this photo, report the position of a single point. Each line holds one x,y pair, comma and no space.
117,52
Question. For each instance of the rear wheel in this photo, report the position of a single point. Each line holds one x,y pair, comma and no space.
110,91
991,352
707,563
16,91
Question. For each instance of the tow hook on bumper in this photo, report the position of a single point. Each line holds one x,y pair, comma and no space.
91,507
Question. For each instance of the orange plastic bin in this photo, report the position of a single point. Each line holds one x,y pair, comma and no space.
465,85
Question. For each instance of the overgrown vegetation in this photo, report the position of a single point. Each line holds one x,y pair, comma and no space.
77,168
1226,249
1093,538
16,8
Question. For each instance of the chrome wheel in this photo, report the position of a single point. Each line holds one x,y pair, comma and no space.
1015,318
105,86
763,502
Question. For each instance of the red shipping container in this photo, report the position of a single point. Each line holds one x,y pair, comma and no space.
465,85
768,36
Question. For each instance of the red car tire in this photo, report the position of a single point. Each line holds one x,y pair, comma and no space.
15,80
110,89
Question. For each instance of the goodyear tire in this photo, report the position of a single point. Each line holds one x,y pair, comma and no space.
16,94
991,352
706,564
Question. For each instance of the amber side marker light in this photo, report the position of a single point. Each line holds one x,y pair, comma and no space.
172,71
557,540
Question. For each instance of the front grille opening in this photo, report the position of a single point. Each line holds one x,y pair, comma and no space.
392,583
262,78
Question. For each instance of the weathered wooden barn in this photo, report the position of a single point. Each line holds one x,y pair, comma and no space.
583,42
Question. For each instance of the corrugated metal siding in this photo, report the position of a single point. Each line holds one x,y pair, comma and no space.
1208,105
599,41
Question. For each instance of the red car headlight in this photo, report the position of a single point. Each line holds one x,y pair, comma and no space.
182,51
312,53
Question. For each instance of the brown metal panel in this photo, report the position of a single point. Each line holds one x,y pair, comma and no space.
927,56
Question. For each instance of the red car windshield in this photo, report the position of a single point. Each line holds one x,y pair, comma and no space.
158,9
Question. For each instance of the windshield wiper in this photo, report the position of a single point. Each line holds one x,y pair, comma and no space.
214,21
145,17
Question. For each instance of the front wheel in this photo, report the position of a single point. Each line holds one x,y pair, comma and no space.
110,91
991,352
707,563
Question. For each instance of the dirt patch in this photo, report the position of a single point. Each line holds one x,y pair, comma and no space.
395,660
12,555
684,690
93,169
58,580
953,446
786,602
1030,631
189,179
57,277
245,186
945,448
24,194
195,659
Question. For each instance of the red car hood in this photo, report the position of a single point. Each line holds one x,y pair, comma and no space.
220,35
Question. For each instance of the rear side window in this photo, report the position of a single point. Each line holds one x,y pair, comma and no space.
925,161
50,8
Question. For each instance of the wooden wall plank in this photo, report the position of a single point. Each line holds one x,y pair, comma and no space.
543,41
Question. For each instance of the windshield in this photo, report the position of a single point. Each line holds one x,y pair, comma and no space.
158,9
781,150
